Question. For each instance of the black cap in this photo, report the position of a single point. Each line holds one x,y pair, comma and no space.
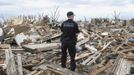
70,13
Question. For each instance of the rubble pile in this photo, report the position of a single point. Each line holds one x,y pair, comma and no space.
32,47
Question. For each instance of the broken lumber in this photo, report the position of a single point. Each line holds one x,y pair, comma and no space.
11,68
42,47
51,37
40,73
82,42
19,62
105,46
91,48
98,71
84,31
33,72
4,46
53,69
81,56
91,59
121,67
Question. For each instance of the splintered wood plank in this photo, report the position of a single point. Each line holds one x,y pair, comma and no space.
94,59
127,50
43,46
81,56
51,36
4,46
19,62
92,49
97,71
85,32
91,59
10,62
32,73
19,49
40,73
55,36
82,42
119,47
53,69
106,45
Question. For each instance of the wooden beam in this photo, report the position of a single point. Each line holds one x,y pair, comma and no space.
98,71
53,69
92,49
19,62
84,31
83,55
94,59
33,72
40,73
11,67
14,49
106,45
42,47
82,42
127,50
91,59
4,46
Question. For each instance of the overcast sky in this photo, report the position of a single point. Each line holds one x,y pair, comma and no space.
81,8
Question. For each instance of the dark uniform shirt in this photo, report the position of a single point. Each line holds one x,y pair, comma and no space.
69,29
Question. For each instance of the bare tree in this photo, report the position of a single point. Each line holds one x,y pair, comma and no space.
116,15
55,14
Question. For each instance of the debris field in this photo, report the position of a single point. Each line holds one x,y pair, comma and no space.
31,46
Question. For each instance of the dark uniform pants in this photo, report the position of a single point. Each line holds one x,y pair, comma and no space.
68,44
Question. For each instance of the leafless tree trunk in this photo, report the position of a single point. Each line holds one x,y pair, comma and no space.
55,14
116,16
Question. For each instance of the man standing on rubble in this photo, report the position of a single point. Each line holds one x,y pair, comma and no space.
70,31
